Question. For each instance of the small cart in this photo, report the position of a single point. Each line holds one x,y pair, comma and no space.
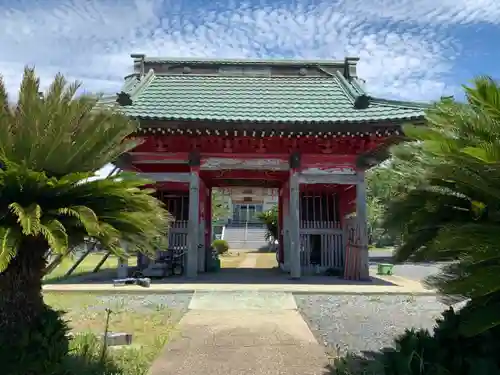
168,263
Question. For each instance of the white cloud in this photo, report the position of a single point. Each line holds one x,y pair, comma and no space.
404,45
434,12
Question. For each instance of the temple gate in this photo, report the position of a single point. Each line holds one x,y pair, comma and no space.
306,128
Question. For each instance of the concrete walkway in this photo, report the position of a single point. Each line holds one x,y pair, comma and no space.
250,261
244,279
242,333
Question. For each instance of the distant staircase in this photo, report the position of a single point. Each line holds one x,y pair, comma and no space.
245,237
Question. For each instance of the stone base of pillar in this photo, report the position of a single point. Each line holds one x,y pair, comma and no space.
286,266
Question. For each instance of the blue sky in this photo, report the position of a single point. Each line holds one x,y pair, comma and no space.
409,49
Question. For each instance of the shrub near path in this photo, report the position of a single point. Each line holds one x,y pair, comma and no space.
151,319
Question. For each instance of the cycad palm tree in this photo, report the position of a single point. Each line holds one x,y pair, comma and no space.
454,212
51,146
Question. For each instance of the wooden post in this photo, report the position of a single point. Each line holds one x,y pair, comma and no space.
122,271
208,218
281,245
361,216
193,223
101,262
294,226
88,249
286,226
202,225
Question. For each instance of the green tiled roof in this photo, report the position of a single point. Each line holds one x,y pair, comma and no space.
327,99
267,62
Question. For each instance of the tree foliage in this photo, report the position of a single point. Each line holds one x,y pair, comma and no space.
270,219
385,182
220,205
449,209
51,147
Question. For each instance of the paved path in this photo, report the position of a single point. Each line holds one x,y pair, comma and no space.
257,280
242,333
250,261
412,271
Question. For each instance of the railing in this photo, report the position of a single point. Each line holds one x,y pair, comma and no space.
329,241
245,230
177,236
245,224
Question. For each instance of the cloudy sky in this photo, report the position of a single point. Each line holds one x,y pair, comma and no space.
410,49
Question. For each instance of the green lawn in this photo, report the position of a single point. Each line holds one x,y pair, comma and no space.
86,267
231,259
151,326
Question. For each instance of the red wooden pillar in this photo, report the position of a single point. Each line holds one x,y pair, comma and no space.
346,202
285,209
208,217
281,245
202,228
193,238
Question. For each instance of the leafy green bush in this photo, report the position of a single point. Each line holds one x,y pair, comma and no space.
36,348
270,219
87,357
221,246
355,364
444,352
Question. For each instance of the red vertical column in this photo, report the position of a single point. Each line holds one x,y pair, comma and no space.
281,245
285,205
346,202
202,226
193,238
208,217
203,199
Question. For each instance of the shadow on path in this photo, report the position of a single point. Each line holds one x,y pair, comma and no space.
236,276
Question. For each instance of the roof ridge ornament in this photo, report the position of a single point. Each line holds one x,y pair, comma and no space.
350,67
362,101
123,99
139,59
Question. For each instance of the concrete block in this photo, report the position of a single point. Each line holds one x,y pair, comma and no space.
118,338
112,338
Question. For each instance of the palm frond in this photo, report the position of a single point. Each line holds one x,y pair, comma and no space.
28,218
51,146
453,213
9,242
59,133
86,216
55,234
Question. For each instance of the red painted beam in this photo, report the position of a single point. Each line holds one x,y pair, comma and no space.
313,159
283,156
244,175
162,168
258,147
154,156
321,188
169,186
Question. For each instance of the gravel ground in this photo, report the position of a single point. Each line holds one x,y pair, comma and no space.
360,323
